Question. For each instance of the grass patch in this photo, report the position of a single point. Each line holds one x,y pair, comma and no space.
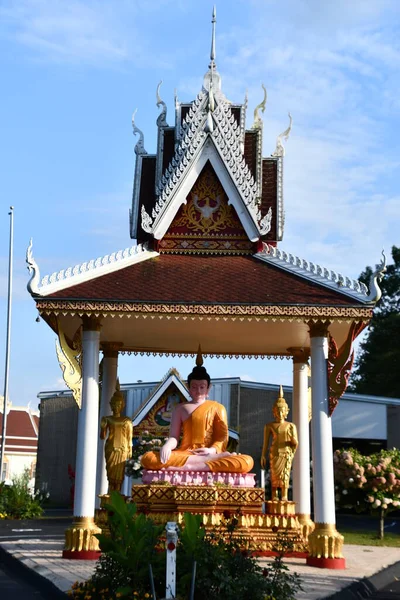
369,538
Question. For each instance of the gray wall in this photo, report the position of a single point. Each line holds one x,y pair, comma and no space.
255,410
393,426
56,447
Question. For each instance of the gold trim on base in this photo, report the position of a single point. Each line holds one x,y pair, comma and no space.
80,536
280,507
325,541
306,523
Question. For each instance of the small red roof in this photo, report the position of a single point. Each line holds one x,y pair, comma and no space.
20,430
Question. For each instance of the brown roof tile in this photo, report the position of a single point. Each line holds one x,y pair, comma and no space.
205,279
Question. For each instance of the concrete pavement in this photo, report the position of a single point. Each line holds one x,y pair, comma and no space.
43,557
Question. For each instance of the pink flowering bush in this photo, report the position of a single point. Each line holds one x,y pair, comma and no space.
368,482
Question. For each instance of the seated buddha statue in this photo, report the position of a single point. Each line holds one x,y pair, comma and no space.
284,442
204,426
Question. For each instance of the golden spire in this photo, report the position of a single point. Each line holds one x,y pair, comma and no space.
212,53
199,357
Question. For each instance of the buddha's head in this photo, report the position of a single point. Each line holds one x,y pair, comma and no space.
280,410
199,380
117,401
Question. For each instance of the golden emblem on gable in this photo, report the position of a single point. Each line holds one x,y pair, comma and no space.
207,209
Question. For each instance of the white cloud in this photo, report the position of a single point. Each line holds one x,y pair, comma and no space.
80,32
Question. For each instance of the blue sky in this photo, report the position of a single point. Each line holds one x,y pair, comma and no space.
72,74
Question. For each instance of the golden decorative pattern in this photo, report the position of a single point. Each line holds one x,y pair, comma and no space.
199,498
306,524
70,361
256,531
207,209
206,223
139,309
325,541
80,536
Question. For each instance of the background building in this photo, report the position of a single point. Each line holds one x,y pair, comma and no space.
21,440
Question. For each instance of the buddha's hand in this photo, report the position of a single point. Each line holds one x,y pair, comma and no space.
165,451
205,451
263,462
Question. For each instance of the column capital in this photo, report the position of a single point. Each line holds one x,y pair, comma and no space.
111,349
300,355
91,323
318,328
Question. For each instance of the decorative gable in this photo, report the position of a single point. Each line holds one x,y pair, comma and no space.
210,129
206,223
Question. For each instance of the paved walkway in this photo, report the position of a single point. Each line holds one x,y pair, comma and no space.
44,557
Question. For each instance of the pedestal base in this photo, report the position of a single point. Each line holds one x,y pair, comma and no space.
81,555
326,563
325,545
199,478
259,533
80,540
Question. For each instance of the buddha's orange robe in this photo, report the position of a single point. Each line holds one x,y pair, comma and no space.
206,427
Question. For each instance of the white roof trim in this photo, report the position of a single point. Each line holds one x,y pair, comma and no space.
206,152
315,273
93,269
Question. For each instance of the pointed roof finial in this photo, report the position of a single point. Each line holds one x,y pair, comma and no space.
199,357
212,53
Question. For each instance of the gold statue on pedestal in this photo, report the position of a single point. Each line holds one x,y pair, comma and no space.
283,446
204,426
118,446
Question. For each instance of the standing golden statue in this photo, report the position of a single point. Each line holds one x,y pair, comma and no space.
118,446
283,446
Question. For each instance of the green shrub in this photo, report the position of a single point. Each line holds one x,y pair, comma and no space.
226,571
123,569
18,501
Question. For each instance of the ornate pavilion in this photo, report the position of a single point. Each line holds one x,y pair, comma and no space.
208,216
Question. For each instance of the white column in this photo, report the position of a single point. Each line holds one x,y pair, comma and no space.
324,543
321,432
86,456
301,461
110,370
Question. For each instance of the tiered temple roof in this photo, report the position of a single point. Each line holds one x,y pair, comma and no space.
207,213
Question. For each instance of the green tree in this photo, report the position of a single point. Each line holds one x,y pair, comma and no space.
377,367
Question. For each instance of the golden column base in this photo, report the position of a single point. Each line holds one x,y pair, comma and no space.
306,524
80,540
325,546
280,507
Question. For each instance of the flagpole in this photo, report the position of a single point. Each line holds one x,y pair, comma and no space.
8,340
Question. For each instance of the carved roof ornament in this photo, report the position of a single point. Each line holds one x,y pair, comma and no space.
33,283
313,272
280,150
375,292
257,119
70,361
162,117
139,148
147,221
265,223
